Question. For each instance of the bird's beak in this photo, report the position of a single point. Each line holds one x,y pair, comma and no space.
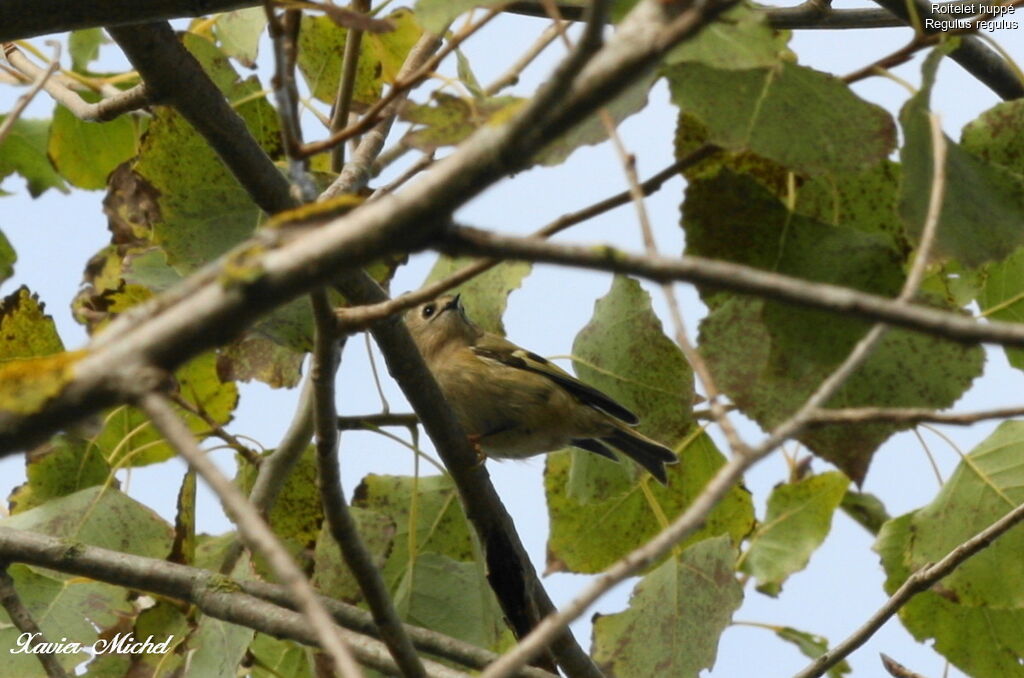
454,304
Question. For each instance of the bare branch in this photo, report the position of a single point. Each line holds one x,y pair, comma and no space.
921,580
909,415
896,669
326,355
41,78
725,275
372,421
62,89
254,531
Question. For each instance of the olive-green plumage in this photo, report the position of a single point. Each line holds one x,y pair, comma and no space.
517,404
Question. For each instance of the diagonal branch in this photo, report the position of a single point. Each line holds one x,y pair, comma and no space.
343,528
919,581
738,278
254,531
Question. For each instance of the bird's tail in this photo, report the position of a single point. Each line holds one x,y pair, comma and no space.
650,454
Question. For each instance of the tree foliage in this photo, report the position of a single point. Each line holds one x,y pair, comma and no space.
797,189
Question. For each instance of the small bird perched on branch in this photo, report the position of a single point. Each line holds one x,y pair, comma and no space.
514,403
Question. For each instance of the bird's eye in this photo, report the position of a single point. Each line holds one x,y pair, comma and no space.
428,310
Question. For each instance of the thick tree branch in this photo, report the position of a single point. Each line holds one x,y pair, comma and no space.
174,77
27,18
737,278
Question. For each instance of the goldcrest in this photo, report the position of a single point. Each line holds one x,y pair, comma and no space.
514,403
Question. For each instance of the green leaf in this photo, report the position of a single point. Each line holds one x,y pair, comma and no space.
63,608
435,15
867,509
485,296
84,47
254,357
85,153
983,202
7,258
333,576
798,520
448,119
987,484
983,642
129,439
297,514
733,217
808,121
440,524
905,370
61,467
812,646
26,331
321,42
99,516
277,658
587,537
23,150
592,130
676,615
623,352
454,598
466,75
737,39
1002,297
997,136
239,33
195,207
866,200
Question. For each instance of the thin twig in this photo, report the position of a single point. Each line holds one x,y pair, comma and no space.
373,421
358,170
326,355
25,99
22,620
693,357
61,89
909,415
253,529
511,75
346,84
403,83
921,580
250,455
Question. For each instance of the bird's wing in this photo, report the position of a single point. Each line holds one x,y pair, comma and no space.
493,347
